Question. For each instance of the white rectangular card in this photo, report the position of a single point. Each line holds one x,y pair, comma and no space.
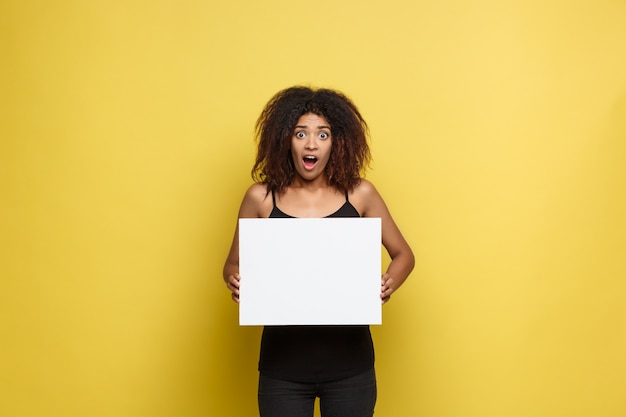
309,271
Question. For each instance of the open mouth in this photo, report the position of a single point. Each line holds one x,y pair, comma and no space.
309,161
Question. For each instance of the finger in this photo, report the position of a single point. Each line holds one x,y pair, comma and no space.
386,280
233,286
233,281
386,291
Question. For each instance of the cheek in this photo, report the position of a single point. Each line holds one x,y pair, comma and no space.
329,151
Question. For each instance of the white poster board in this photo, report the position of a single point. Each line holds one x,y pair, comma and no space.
310,271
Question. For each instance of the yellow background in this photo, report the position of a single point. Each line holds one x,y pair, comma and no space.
499,142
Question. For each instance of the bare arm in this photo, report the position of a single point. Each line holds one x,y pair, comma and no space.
254,205
402,259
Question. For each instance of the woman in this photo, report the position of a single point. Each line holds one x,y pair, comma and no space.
312,149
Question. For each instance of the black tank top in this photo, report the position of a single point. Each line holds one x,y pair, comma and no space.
316,353
347,210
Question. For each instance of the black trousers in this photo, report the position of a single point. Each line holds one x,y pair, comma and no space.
350,397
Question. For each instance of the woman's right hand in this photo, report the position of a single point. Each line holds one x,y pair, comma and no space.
232,283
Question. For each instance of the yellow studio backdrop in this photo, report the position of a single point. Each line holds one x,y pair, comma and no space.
499,143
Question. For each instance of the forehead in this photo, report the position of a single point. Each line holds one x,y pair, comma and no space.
312,120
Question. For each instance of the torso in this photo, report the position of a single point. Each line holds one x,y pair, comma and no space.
346,210
303,202
315,353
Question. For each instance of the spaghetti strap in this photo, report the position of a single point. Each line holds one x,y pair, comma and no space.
273,199
347,196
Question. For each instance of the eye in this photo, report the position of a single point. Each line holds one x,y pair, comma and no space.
300,135
324,135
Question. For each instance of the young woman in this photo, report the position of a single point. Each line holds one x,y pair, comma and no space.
312,150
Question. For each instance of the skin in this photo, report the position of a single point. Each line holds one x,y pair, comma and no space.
310,195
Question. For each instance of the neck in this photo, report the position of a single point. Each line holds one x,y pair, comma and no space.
310,185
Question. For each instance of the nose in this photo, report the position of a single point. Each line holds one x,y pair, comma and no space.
310,144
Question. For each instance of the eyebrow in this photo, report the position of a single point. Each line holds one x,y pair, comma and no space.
319,127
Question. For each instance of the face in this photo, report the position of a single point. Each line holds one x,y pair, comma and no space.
310,146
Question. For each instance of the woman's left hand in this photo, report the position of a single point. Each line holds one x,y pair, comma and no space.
385,288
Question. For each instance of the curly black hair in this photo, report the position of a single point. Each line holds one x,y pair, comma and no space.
350,153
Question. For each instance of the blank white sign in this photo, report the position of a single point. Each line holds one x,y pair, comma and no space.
310,271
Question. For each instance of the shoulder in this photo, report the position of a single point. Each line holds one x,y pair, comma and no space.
364,187
365,190
257,192
257,202
365,198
